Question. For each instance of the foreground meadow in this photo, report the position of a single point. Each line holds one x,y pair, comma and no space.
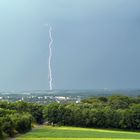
72,133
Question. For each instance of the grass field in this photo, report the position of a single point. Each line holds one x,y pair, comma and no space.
74,133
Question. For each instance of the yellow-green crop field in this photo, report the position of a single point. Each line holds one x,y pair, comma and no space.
74,133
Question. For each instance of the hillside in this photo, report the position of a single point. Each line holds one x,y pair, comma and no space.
72,133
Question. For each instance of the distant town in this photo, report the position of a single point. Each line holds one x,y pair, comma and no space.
61,96
39,97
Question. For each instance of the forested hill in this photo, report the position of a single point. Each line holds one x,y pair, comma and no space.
121,112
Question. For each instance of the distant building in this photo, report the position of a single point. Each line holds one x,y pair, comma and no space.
78,100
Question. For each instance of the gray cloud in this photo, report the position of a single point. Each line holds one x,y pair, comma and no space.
96,44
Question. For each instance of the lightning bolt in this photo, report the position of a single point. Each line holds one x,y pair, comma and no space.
50,58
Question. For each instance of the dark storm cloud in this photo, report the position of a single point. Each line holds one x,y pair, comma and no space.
96,44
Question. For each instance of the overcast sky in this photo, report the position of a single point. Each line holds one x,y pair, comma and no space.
96,44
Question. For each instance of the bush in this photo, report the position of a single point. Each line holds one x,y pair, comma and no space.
8,126
23,123
1,127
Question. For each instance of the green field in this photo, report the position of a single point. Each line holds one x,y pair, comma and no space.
74,133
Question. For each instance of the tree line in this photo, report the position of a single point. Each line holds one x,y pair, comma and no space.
121,112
